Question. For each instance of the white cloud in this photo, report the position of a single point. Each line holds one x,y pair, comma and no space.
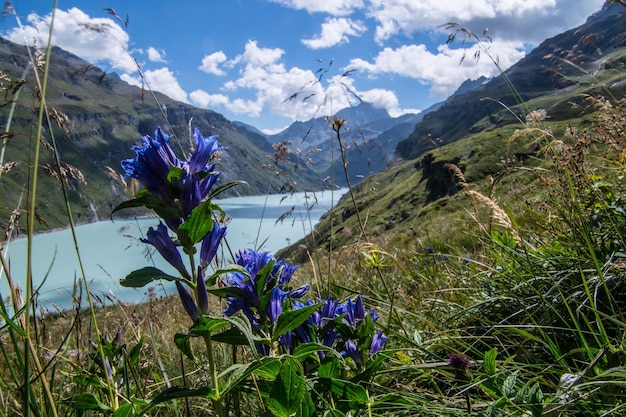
380,98
443,71
267,85
161,80
155,55
97,40
397,112
203,99
531,21
274,131
332,7
210,63
335,31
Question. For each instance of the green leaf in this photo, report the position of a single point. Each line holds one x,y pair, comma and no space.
261,278
330,367
288,390
508,387
209,324
246,329
224,292
489,362
183,342
225,187
266,367
133,353
88,401
311,350
143,276
199,223
131,409
144,198
173,393
355,394
232,336
212,279
291,319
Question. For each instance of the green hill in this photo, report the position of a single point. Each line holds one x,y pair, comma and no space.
475,132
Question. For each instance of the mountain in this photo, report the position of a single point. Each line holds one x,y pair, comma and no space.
96,118
556,68
417,201
369,136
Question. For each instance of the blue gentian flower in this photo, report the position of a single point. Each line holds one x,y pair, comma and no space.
277,281
152,163
378,341
161,240
275,307
204,150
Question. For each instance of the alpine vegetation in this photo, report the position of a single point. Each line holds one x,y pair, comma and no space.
324,351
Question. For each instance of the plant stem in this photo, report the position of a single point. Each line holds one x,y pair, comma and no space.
217,402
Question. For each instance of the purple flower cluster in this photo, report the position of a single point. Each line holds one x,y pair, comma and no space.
345,326
179,185
179,191
264,288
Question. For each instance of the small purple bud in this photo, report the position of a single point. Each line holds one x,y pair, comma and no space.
202,296
188,303
107,367
299,292
352,350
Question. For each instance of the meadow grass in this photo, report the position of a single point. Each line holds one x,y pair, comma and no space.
503,298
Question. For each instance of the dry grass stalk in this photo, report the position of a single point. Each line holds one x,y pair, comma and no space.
61,119
497,213
65,172
8,166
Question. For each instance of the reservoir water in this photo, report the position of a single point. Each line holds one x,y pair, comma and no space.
109,250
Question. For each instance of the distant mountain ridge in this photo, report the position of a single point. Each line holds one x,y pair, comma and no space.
366,153
370,137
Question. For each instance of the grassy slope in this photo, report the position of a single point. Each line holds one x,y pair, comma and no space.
403,198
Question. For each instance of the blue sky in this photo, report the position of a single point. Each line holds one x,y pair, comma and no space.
243,58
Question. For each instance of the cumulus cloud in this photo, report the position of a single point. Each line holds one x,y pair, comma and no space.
211,63
203,99
155,55
332,7
445,70
162,80
97,40
335,31
528,20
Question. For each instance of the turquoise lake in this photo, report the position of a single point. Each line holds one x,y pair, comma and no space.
109,250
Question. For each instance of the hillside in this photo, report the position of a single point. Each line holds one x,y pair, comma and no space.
420,197
96,119
549,77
